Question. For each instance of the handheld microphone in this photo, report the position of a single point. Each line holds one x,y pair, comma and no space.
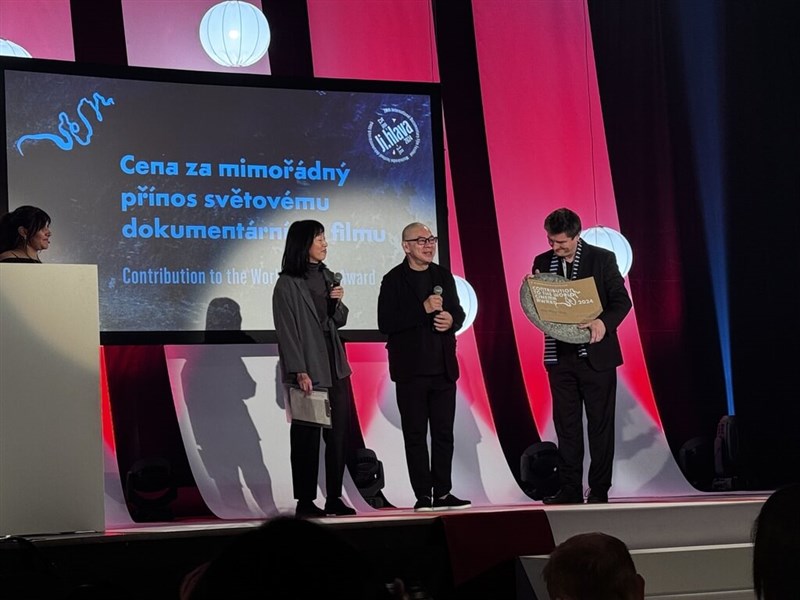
332,304
437,290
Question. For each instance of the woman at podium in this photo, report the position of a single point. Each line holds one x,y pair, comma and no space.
24,233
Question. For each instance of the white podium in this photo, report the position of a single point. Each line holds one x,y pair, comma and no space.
51,454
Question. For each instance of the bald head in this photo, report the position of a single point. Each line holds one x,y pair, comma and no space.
419,244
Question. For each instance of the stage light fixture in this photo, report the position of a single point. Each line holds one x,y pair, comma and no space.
234,34
368,477
150,490
696,460
539,470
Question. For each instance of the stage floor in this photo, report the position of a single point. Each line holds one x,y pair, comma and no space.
454,554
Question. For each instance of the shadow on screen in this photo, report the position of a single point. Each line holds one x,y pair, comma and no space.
643,462
215,385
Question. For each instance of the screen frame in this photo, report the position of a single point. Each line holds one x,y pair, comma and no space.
432,90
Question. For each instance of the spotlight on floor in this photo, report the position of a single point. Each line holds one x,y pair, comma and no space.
696,460
538,468
368,477
150,490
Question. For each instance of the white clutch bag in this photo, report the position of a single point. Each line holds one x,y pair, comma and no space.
314,409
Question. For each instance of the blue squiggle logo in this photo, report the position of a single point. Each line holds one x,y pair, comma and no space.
70,129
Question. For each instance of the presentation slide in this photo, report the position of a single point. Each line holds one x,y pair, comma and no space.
181,186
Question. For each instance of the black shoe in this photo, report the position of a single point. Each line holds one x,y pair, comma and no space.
450,502
424,504
306,509
565,496
334,507
597,497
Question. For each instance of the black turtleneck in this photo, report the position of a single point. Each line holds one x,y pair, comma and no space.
319,291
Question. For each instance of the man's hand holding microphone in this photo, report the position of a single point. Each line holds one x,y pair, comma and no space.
442,320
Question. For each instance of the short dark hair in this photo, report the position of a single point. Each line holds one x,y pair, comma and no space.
31,218
563,220
591,565
776,545
299,238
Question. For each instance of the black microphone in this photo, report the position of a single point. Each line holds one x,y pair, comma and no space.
332,304
437,290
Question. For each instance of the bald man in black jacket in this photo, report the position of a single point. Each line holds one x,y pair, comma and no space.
418,309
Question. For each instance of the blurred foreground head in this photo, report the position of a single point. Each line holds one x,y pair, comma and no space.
776,546
592,566
287,558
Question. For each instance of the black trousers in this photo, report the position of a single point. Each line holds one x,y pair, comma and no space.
424,400
576,387
304,444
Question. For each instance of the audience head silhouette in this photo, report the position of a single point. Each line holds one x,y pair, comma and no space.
776,545
592,566
287,558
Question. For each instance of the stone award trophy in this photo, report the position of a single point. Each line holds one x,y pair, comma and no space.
565,332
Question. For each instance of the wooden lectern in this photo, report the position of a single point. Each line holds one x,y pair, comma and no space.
51,454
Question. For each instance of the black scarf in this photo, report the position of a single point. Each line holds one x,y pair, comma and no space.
550,347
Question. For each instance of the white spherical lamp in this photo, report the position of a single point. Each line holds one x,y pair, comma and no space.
613,240
234,34
468,300
9,48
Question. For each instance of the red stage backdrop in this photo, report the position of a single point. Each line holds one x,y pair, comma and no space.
547,149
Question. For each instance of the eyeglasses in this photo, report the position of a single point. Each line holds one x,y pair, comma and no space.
421,241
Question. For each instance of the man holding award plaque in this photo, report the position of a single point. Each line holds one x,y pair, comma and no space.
581,359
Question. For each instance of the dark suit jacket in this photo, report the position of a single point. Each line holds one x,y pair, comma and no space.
403,318
602,265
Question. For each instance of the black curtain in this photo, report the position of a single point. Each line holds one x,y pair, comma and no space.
477,225
644,95
763,153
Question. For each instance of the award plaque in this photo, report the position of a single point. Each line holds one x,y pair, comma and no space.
565,332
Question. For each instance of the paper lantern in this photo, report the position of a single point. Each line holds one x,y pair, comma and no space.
234,34
613,240
9,48
468,300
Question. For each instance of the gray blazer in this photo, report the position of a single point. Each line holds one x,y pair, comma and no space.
301,341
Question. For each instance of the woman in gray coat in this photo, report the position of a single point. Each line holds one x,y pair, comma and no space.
308,311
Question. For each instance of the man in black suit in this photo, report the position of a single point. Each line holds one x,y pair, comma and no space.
584,376
419,311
